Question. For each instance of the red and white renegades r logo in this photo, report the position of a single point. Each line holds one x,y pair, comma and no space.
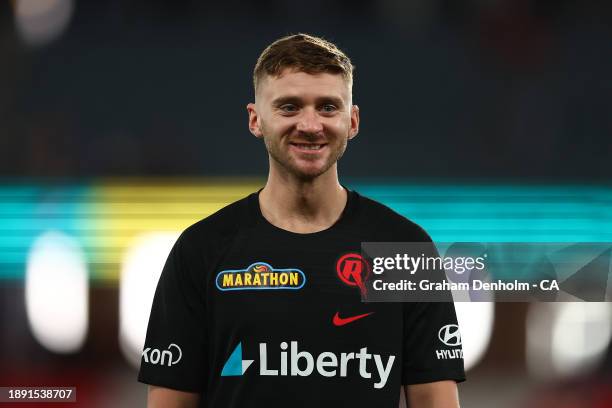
353,270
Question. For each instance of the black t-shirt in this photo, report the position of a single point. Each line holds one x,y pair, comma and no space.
251,315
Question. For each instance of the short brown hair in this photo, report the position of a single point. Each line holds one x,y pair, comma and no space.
305,53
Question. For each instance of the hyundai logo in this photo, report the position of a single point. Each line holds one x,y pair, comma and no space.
450,335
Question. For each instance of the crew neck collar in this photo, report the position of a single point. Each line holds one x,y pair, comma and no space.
345,215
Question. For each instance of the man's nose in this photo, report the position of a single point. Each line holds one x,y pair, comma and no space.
309,121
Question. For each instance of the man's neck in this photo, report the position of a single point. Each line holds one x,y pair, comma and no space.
303,206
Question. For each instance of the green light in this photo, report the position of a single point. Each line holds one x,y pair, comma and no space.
104,222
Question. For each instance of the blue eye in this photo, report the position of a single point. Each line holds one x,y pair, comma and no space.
288,108
328,108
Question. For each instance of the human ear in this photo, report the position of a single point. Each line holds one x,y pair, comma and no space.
354,129
254,126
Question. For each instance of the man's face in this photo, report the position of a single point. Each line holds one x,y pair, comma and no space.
305,121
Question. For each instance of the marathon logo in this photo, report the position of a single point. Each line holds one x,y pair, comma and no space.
260,276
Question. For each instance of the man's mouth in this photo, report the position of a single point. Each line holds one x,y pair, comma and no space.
309,146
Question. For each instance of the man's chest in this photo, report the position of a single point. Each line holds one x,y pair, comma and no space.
287,293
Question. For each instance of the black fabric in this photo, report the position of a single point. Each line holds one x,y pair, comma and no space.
191,312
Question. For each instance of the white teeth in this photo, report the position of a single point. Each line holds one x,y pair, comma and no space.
308,146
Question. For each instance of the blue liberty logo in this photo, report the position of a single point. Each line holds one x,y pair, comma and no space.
235,365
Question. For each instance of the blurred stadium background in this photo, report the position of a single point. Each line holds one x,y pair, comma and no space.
122,122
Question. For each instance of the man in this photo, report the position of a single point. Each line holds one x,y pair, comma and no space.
253,308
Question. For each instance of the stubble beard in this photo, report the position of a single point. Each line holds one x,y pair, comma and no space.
286,162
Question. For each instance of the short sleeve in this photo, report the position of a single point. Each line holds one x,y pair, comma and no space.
432,344
174,351
432,340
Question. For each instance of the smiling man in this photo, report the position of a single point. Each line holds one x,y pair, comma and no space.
259,305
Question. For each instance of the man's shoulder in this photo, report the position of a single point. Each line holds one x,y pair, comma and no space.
224,222
387,219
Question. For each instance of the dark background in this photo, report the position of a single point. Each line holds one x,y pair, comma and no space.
454,96
510,89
